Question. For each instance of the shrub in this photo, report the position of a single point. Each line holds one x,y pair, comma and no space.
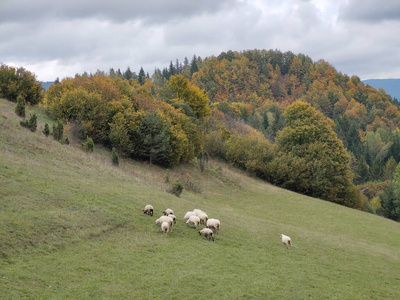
20,107
46,129
58,130
88,146
115,157
31,123
177,189
64,140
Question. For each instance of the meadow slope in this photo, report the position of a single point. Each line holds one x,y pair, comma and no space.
72,227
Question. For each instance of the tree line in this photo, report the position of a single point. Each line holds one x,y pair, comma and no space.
294,122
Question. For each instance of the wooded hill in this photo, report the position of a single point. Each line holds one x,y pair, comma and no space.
294,122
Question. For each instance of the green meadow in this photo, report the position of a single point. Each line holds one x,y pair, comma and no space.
72,227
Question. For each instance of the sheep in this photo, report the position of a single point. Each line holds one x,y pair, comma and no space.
213,224
148,210
165,227
198,211
167,219
286,240
203,218
168,211
193,220
208,233
173,217
188,214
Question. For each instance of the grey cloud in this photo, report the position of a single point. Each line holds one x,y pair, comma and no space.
370,10
156,11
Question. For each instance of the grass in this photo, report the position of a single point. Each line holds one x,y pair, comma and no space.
72,227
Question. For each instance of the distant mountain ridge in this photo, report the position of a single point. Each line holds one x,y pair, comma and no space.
391,86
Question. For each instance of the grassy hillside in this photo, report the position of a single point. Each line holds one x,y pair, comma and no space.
71,227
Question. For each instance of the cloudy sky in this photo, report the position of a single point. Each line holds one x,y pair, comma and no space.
61,38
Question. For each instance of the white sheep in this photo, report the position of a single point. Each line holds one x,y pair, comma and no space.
193,220
173,217
167,219
168,211
148,210
286,240
213,224
165,227
188,214
208,233
203,218
198,211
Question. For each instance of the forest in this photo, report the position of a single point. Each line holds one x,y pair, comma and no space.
294,122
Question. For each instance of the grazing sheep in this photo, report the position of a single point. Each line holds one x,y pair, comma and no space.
286,240
198,211
213,224
165,227
148,210
173,217
188,214
168,211
208,233
194,220
167,219
203,218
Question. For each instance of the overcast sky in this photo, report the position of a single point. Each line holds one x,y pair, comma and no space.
61,38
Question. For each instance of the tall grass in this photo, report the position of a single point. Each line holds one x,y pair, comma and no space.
72,227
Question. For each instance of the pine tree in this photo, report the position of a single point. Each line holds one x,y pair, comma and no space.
193,65
154,139
20,107
142,76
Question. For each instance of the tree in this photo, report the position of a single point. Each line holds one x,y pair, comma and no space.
193,65
390,202
188,93
128,73
154,138
309,144
20,107
142,76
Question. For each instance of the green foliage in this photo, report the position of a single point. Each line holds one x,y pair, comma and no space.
20,107
190,94
88,146
203,159
31,123
177,189
312,159
46,130
19,82
64,140
115,157
58,130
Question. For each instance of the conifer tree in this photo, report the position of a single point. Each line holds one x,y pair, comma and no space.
142,76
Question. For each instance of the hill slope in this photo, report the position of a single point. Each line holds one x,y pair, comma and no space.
71,226
391,86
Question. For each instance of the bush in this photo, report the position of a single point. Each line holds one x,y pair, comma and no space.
46,129
58,130
177,189
31,123
88,146
20,107
115,157
64,140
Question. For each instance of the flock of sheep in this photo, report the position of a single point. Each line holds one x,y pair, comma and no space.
195,217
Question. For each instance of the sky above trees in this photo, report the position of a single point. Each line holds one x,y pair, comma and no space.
62,38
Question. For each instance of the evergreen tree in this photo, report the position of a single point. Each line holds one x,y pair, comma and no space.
20,107
193,65
154,138
390,202
142,76
128,74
